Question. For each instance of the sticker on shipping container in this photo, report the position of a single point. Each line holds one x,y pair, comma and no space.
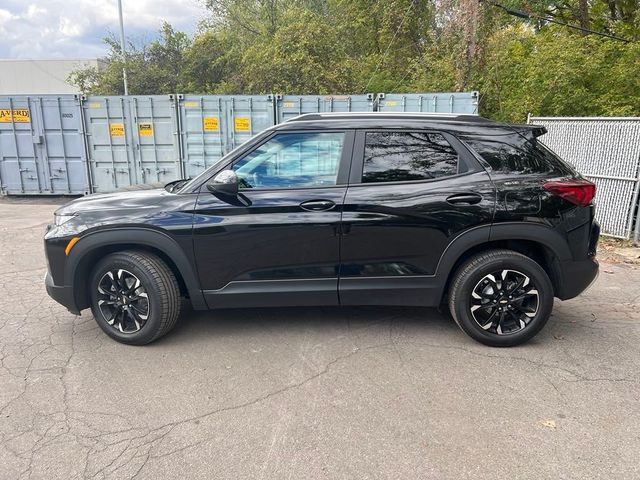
5,116
289,104
145,129
242,124
21,115
390,103
191,104
95,105
17,115
116,129
210,124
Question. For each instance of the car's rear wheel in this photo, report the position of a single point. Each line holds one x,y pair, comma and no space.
135,297
501,298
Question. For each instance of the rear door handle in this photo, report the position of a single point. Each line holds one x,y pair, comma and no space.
464,198
317,205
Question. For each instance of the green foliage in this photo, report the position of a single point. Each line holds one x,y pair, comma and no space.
520,66
554,74
303,56
154,68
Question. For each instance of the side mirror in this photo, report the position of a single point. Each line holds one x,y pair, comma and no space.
224,183
225,186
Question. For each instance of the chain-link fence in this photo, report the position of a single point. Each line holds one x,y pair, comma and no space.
607,151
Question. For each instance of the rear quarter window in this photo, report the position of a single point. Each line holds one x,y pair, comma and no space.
518,153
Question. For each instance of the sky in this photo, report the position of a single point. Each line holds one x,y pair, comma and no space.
75,28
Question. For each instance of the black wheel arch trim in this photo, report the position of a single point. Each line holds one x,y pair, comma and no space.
476,236
536,232
144,237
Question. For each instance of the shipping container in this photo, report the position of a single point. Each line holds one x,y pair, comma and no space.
131,140
213,125
289,106
67,144
458,102
42,146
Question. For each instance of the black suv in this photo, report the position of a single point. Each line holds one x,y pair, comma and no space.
341,209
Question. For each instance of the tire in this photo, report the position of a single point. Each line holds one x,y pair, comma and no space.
483,308
152,304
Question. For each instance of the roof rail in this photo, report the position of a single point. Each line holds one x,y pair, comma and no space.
333,115
305,116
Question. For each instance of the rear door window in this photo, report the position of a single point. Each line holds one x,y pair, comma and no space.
407,156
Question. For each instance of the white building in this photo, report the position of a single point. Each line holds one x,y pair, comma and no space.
25,77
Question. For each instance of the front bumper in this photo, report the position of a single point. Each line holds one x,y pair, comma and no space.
58,287
61,294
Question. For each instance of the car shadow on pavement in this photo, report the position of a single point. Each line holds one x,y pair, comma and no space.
421,324
196,325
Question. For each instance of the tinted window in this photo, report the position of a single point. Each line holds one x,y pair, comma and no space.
517,153
292,160
403,156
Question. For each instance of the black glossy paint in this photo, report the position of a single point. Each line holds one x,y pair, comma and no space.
403,229
393,232
274,238
155,211
352,243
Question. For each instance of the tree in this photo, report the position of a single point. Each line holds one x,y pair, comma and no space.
518,64
304,56
154,68
552,73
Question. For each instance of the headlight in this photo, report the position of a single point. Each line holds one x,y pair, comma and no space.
66,225
60,219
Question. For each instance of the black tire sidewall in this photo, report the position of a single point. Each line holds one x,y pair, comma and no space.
153,324
470,279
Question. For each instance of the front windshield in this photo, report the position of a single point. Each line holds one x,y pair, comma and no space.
198,179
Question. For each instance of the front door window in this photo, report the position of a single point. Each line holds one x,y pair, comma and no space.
292,160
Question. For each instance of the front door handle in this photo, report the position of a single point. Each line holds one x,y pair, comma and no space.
317,205
464,198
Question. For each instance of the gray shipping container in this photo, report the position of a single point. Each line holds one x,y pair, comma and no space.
65,144
213,125
457,102
42,146
131,140
289,106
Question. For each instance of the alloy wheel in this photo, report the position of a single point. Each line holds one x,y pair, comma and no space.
123,301
504,302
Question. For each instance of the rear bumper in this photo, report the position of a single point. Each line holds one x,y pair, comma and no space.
61,294
575,277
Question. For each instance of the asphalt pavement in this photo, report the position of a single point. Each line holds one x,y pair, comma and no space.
331,393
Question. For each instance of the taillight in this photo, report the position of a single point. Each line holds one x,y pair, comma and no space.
579,192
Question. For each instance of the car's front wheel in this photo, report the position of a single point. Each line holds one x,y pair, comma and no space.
135,297
501,298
